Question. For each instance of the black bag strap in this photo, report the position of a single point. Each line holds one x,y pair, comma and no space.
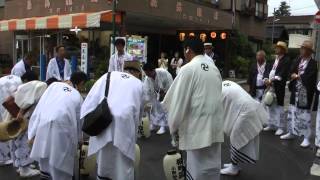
107,85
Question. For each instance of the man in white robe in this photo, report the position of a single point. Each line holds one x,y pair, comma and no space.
115,146
55,129
23,66
244,118
8,85
156,85
117,60
195,113
59,67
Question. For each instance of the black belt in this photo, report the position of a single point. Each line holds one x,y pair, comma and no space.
260,87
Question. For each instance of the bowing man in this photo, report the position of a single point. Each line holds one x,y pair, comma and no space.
115,146
54,128
244,118
24,65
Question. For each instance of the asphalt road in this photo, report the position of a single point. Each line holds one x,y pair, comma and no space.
279,160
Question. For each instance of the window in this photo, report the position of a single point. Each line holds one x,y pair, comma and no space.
261,10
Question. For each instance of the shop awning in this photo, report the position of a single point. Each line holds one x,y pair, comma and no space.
80,20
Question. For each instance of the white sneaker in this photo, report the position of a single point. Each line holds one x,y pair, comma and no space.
279,132
318,153
232,170
305,143
287,136
227,165
6,163
268,128
162,130
27,172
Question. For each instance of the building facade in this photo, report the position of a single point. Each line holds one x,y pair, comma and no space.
163,21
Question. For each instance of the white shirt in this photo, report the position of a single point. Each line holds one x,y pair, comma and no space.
194,105
19,69
162,82
116,62
178,63
53,70
8,85
126,104
261,70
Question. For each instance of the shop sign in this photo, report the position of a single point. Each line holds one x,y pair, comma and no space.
199,12
84,57
154,3
29,5
179,7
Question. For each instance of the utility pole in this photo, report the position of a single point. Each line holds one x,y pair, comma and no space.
273,21
114,6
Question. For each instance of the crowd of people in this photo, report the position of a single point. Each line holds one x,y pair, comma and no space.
194,104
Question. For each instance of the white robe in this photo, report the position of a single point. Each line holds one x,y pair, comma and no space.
53,70
55,124
125,100
116,62
244,117
8,85
19,69
194,105
163,81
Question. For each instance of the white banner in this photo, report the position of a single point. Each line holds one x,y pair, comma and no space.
84,57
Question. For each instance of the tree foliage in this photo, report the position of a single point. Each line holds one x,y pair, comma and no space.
283,10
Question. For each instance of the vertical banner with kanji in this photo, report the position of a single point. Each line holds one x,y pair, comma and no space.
84,57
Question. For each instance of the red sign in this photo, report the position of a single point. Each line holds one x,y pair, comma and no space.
317,18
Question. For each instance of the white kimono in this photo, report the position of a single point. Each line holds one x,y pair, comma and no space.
194,105
116,62
53,70
152,88
125,101
244,118
55,125
19,69
8,85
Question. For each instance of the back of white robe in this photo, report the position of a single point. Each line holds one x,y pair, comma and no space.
55,124
125,100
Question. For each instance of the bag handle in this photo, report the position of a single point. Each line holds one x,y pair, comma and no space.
107,85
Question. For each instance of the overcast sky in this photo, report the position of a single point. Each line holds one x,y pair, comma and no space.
298,7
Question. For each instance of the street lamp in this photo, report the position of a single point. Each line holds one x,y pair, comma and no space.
273,22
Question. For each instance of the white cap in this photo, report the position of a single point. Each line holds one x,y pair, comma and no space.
207,44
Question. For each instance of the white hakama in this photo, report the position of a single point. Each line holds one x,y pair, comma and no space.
247,154
205,163
113,164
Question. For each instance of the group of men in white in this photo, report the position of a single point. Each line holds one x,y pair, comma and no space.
197,106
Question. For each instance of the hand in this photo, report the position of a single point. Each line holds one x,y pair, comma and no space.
294,76
20,116
267,82
30,142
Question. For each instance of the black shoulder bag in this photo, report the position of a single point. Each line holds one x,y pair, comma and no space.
100,118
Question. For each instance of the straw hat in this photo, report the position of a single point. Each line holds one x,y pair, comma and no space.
282,45
11,129
307,44
132,65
